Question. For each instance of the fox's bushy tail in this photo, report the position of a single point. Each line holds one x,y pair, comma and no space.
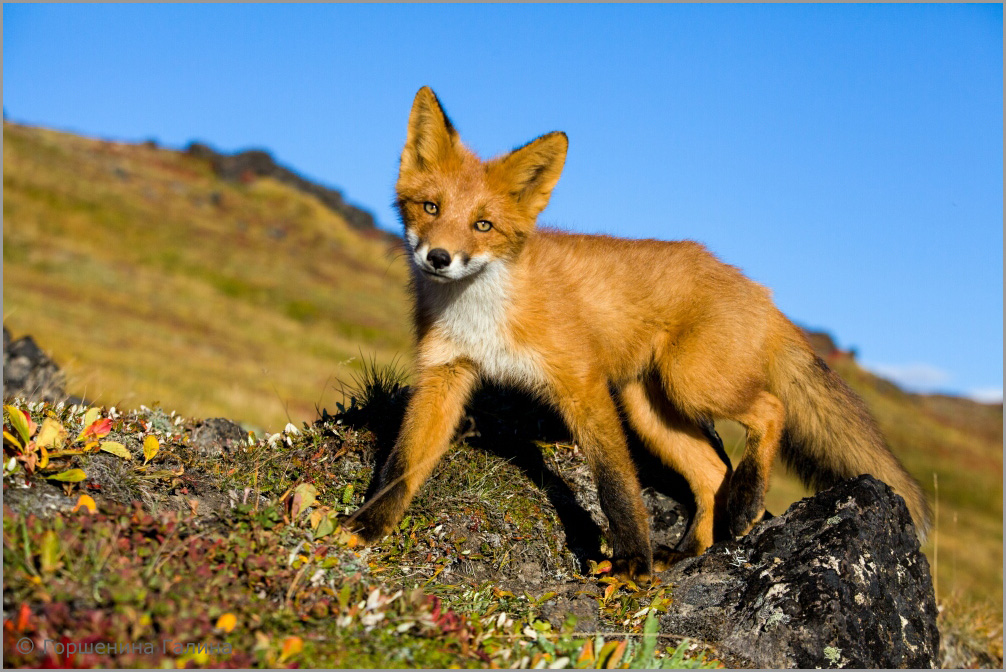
829,434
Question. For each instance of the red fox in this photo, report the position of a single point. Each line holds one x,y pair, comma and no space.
660,333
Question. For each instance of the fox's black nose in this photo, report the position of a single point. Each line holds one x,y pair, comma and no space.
438,258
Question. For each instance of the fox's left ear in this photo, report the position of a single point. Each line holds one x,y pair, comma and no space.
532,171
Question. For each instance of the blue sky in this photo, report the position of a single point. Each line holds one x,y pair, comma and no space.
850,157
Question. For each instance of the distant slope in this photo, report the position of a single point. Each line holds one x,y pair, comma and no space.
151,279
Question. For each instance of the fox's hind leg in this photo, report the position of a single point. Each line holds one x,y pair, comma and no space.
764,419
593,418
684,447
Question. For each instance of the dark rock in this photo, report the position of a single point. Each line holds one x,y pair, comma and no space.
217,435
28,372
837,581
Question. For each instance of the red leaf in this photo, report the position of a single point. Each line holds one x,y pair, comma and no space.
23,616
99,428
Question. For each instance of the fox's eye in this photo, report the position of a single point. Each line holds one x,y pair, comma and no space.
483,225
430,207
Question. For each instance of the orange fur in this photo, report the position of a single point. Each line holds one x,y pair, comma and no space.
683,338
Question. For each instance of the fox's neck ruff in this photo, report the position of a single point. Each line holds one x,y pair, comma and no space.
471,316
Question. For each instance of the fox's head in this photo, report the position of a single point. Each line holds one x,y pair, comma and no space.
461,213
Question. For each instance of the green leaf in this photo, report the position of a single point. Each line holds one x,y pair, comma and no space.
644,659
69,476
50,552
325,527
347,494
304,495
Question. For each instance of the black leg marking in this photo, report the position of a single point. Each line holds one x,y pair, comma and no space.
747,498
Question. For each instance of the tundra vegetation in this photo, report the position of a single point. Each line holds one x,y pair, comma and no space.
161,287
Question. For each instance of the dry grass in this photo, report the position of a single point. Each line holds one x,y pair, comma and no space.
150,280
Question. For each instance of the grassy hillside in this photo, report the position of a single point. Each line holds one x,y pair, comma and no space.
150,280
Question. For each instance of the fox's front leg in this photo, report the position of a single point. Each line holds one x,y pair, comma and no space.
432,415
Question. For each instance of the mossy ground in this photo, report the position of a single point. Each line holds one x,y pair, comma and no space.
236,553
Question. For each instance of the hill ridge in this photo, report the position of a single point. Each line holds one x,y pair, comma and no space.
250,163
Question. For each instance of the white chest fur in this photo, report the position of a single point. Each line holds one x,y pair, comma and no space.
471,319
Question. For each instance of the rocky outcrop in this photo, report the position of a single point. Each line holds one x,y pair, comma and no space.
214,436
259,163
837,581
28,372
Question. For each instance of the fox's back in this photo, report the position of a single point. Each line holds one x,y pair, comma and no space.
619,291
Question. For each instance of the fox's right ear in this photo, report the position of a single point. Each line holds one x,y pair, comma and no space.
431,135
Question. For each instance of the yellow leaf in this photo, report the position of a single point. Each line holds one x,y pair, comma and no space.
199,657
70,476
616,655
602,567
18,422
161,474
9,438
292,645
150,448
116,448
85,502
227,622
316,516
91,415
43,461
51,435
64,453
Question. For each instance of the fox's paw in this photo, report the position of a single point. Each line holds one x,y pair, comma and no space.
745,515
363,525
637,569
664,558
